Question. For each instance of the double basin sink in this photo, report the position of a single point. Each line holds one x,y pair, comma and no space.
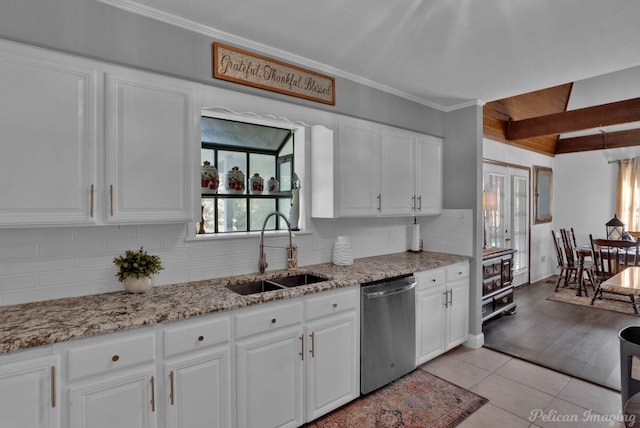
280,283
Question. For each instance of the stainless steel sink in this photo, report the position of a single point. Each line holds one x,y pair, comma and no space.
261,286
298,280
253,287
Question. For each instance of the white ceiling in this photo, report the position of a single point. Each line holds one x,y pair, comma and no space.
443,53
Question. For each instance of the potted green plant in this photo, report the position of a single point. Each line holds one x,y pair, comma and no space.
136,270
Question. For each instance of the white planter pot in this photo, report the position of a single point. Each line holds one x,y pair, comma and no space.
138,285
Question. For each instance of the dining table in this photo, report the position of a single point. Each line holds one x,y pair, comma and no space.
625,283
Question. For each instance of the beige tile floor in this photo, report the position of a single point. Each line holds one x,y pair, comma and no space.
526,395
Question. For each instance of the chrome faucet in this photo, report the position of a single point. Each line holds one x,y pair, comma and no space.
292,250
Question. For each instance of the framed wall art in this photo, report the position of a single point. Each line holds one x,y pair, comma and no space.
543,194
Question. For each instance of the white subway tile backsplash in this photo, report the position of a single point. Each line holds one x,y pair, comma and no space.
41,264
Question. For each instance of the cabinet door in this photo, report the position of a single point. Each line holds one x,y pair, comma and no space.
29,395
458,313
199,391
270,380
48,111
150,125
428,175
398,171
107,402
359,169
430,320
332,362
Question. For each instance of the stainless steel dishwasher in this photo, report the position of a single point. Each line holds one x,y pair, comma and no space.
387,331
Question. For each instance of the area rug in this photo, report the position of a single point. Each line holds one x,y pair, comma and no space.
613,302
417,400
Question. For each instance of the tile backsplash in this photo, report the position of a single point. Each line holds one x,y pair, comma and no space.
48,263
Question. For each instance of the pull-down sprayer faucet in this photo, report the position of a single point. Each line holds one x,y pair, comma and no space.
292,251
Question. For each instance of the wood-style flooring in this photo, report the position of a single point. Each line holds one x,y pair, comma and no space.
579,341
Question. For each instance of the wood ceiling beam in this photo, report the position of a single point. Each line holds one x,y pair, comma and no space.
576,120
601,141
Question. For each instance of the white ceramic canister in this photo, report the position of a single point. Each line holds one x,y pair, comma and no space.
273,186
256,184
234,182
209,178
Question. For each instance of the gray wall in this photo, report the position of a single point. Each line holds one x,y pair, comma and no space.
98,31
463,187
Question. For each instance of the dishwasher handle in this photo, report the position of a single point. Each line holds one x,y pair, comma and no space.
385,293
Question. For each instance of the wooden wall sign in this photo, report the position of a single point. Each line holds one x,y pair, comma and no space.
247,68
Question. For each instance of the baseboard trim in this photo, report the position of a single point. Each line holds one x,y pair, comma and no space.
475,342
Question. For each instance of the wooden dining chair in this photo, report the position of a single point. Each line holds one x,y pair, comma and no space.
567,270
569,244
572,257
609,258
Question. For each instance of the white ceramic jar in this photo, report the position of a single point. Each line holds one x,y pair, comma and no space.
342,252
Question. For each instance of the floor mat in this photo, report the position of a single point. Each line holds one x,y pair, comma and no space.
417,400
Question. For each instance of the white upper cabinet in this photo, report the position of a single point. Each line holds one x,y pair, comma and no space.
428,173
57,111
397,192
358,161
374,170
48,137
150,124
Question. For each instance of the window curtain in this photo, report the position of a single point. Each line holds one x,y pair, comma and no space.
628,197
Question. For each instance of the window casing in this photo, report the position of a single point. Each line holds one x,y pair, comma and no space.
266,150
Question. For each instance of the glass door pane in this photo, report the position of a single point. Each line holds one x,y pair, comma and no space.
495,209
520,223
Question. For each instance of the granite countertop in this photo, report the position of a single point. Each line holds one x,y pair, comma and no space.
35,324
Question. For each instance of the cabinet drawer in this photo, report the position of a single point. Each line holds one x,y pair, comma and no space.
487,286
194,336
430,278
457,271
256,321
487,271
487,307
333,303
113,355
503,300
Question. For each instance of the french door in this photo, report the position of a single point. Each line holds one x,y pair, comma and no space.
506,213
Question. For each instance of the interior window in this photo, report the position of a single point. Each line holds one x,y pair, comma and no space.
246,172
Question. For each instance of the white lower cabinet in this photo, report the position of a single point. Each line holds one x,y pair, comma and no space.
112,382
442,310
29,392
109,401
333,351
198,392
269,366
430,315
197,385
279,351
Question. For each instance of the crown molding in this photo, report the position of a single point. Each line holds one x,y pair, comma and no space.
153,13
